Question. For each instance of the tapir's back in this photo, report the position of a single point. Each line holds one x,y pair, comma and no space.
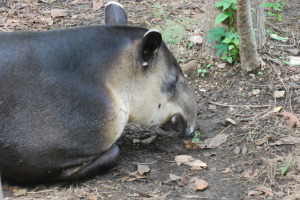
52,94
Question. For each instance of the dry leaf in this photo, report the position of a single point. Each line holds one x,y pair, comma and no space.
249,173
262,140
149,139
287,140
58,13
97,4
226,170
137,175
142,169
292,120
197,164
182,159
190,145
214,142
92,197
230,121
49,20
265,190
21,192
190,161
198,184
254,193
175,177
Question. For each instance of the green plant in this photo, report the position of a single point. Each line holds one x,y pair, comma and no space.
227,42
182,60
208,65
283,171
259,72
285,62
195,138
202,72
159,11
277,8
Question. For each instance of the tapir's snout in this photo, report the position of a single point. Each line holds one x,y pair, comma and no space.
179,124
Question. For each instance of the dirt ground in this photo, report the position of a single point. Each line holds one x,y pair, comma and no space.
258,142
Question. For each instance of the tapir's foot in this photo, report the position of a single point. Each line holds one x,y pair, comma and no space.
103,163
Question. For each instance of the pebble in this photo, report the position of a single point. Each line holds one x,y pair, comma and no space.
237,150
244,150
239,170
279,94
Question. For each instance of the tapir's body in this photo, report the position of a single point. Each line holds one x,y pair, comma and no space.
66,96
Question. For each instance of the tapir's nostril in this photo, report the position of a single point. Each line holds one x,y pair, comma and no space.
189,130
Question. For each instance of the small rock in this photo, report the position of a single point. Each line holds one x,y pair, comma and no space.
221,65
212,107
206,94
213,169
292,84
279,94
224,122
224,94
294,60
185,6
237,150
196,47
256,92
196,39
244,150
189,65
136,141
294,52
239,170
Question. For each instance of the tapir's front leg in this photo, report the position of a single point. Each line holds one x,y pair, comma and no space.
102,163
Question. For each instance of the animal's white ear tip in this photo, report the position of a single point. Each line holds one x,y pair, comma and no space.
151,31
115,3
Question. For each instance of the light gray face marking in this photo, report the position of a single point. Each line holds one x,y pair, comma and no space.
115,3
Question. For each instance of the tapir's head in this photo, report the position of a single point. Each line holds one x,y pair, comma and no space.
163,95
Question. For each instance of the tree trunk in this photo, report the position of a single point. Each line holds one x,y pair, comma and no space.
260,24
248,51
210,13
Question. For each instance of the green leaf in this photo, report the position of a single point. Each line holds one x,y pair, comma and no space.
279,17
231,47
199,71
221,17
229,59
202,75
236,42
267,5
283,171
219,4
234,7
224,57
225,6
204,71
227,40
221,48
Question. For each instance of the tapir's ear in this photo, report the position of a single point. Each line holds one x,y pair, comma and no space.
149,47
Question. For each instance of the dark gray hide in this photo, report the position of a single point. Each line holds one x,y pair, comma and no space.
66,96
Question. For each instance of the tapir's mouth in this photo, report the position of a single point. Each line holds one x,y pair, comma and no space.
177,123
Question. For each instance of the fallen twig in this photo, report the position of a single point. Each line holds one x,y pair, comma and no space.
251,106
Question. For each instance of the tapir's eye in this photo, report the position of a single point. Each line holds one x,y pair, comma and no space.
173,85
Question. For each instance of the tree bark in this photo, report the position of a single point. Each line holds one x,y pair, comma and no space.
260,24
248,50
210,13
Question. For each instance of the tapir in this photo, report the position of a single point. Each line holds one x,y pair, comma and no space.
66,96
115,13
